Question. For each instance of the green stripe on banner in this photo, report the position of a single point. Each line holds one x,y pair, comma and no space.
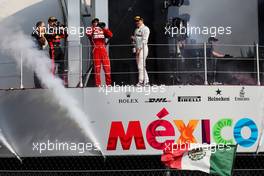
221,162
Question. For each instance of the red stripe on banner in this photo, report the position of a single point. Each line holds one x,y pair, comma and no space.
162,113
206,138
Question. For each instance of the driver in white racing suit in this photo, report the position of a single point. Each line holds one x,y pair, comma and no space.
140,39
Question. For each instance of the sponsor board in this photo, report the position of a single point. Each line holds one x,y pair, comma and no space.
128,99
138,124
218,96
188,118
242,95
158,100
189,98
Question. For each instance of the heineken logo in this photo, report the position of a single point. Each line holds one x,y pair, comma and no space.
218,96
196,154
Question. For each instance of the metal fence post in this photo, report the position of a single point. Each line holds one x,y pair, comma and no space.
258,70
21,71
205,65
81,67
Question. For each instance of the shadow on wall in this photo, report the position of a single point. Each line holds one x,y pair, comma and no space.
26,18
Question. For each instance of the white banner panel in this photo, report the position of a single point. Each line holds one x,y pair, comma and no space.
133,120
131,123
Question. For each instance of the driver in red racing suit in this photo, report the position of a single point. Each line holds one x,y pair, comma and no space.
97,35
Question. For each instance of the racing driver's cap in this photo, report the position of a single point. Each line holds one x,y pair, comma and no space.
52,18
138,18
95,20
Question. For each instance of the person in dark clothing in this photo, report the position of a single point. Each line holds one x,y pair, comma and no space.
212,51
54,36
39,38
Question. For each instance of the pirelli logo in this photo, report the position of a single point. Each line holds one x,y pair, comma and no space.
189,98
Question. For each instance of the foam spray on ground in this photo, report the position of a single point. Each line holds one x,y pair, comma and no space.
14,42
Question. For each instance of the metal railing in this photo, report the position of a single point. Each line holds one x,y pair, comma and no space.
193,64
